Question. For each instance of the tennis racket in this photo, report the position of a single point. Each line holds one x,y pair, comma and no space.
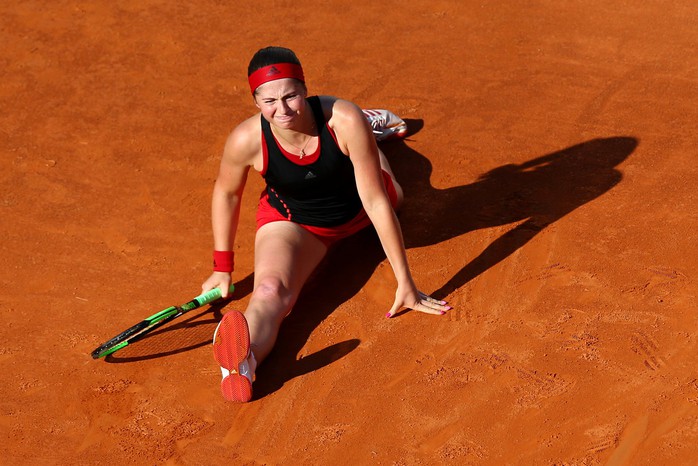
149,324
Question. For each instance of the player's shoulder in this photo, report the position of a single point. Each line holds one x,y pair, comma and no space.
244,141
336,104
339,111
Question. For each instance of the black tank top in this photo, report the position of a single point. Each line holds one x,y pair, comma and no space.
322,193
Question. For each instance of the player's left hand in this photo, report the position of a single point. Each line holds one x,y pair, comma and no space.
418,301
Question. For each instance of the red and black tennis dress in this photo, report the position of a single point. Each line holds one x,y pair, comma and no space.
317,190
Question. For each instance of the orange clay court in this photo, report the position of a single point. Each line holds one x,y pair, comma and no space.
550,180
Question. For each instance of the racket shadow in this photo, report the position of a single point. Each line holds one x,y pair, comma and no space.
189,332
176,337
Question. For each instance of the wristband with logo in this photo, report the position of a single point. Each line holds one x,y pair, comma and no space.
223,261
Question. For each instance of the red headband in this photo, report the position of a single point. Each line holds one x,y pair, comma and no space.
274,72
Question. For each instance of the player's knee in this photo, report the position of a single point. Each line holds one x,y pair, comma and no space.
272,291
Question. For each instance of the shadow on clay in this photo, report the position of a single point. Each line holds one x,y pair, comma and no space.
536,193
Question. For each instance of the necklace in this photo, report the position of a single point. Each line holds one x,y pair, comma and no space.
301,149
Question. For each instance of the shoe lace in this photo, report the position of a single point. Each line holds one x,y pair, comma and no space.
378,122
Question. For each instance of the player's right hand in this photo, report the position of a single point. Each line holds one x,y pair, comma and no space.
220,280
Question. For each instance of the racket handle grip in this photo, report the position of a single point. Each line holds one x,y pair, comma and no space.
211,295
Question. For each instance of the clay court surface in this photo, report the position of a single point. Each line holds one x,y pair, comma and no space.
551,198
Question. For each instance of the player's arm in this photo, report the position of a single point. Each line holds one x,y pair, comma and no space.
356,139
238,156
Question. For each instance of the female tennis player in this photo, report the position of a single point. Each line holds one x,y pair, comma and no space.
326,179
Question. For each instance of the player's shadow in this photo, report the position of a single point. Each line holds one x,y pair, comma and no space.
533,194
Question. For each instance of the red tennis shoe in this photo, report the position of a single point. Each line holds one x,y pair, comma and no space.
231,349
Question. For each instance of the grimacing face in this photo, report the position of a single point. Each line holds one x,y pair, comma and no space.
281,101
